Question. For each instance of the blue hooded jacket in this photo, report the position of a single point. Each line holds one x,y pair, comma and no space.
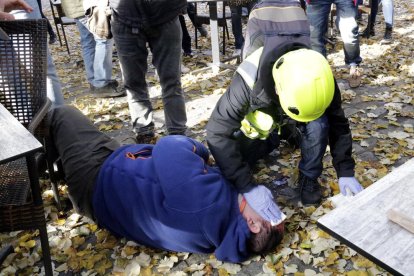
166,196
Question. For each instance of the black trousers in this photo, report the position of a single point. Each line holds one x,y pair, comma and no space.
82,149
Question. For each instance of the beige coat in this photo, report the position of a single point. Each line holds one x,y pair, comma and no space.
73,8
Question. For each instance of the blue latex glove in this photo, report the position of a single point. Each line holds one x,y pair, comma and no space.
261,200
349,185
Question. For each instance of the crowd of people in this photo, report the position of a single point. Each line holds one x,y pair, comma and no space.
284,89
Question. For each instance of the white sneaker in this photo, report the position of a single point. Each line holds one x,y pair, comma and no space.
237,52
184,69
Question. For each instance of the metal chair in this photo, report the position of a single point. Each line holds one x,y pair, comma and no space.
202,18
23,66
59,18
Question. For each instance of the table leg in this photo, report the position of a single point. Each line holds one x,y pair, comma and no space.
37,200
4,252
215,48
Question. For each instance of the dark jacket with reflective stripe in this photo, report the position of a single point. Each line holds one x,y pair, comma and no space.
237,102
146,13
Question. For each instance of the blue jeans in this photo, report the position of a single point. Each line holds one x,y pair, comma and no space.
318,14
165,44
97,55
313,147
54,90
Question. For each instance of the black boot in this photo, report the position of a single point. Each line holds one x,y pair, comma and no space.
310,190
369,31
387,35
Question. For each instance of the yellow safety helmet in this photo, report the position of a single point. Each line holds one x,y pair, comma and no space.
304,83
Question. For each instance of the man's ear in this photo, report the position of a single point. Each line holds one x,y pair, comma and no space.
254,226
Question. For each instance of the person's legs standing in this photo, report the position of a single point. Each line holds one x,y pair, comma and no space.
191,15
166,51
103,62
97,56
54,90
318,13
236,26
370,30
53,87
50,31
313,147
132,54
186,42
388,10
348,28
88,48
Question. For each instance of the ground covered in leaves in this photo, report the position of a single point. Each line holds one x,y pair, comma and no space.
381,114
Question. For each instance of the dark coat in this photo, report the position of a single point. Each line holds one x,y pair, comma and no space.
238,101
146,14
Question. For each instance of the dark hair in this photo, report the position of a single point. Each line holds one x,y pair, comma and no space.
266,240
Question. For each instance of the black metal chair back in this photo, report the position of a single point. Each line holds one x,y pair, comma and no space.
23,68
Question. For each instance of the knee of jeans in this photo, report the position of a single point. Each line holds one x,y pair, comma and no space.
319,127
349,29
316,33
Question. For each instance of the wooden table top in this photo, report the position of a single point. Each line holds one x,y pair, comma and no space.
15,140
363,225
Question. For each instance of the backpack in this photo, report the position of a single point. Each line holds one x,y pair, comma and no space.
278,26
271,22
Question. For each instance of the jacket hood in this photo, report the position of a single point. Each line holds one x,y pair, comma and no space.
233,244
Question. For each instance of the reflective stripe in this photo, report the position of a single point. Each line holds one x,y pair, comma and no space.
279,14
248,68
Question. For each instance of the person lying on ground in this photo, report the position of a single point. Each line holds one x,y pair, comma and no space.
165,196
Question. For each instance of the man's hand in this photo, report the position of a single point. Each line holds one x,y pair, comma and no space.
261,200
349,186
9,5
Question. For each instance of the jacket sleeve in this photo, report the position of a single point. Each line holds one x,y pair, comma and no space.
340,138
178,158
183,175
224,121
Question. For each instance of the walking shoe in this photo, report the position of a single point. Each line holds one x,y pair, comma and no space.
113,83
355,76
107,91
202,31
310,190
369,31
145,135
387,36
